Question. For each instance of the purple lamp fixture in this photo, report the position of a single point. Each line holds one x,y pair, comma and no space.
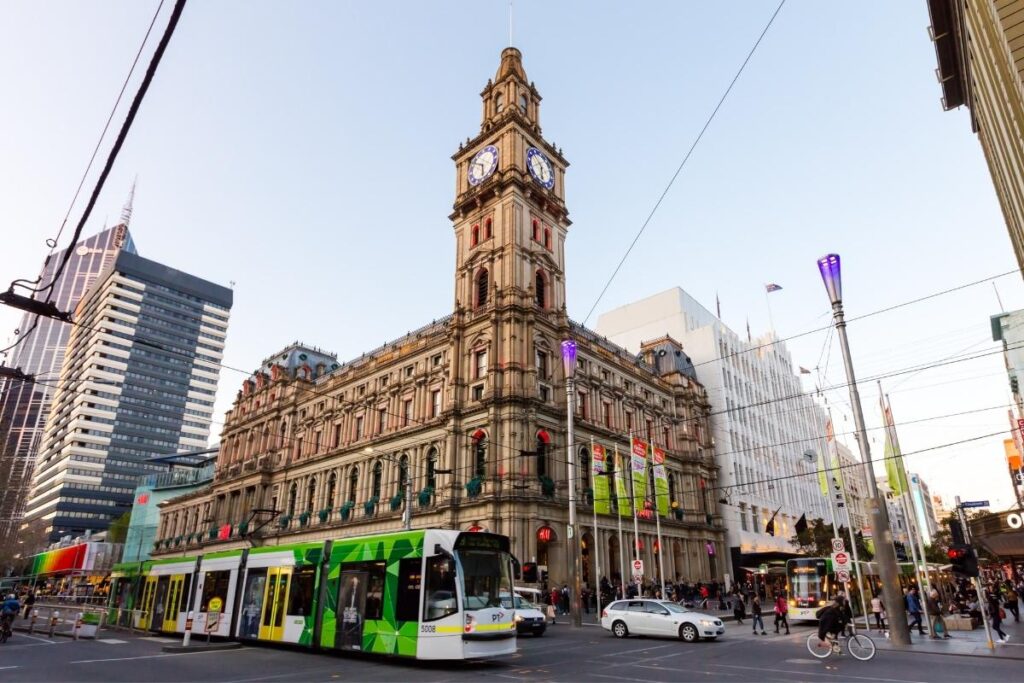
830,275
569,358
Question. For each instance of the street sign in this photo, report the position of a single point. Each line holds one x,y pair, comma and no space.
837,545
215,604
843,576
841,561
638,569
975,504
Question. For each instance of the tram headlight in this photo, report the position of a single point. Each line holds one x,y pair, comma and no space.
470,625
792,602
518,617
821,603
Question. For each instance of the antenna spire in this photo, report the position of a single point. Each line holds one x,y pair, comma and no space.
510,23
126,212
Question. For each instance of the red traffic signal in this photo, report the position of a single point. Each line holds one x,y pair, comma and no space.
963,560
956,553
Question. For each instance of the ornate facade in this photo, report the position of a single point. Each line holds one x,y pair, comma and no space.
473,406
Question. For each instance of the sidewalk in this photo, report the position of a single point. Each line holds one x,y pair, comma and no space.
964,643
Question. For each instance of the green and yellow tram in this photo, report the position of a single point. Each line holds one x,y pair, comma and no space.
428,594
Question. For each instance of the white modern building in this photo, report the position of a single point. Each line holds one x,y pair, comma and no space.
768,432
855,486
924,510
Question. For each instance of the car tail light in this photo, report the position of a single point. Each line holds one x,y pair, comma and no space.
604,613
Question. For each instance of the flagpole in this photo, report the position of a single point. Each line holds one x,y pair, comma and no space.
657,522
593,506
767,301
618,516
903,484
632,498
857,571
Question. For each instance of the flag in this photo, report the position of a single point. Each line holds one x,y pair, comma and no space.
660,482
893,459
823,466
801,524
718,306
804,371
625,504
748,329
602,502
769,528
772,287
838,486
638,465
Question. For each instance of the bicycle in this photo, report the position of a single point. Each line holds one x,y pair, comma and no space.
858,645
5,627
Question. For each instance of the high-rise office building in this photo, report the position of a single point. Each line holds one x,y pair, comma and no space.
138,381
25,405
767,431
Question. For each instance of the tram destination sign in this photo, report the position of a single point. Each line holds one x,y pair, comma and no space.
975,504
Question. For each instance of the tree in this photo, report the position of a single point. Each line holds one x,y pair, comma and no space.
816,540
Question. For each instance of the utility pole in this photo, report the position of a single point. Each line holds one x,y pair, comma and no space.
572,540
979,589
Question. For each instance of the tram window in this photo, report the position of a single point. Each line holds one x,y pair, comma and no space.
374,592
300,601
215,585
440,597
408,605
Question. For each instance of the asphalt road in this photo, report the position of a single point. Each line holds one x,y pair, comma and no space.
563,654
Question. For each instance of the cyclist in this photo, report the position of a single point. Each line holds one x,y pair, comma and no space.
8,610
832,619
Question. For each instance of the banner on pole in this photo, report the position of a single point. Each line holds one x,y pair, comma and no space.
602,498
622,495
638,460
660,481
893,459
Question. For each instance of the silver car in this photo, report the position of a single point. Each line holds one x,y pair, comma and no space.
642,617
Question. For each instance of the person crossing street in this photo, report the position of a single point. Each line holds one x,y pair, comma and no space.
781,612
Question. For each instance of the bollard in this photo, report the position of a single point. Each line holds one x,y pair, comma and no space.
78,625
32,624
54,616
120,620
188,630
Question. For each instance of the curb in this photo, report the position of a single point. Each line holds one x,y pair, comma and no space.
211,647
911,651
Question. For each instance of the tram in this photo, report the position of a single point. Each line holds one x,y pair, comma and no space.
426,594
809,586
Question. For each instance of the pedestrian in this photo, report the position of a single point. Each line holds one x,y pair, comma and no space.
565,598
996,613
1011,602
738,611
937,622
755,610
913,601
29,602
781,612
878,608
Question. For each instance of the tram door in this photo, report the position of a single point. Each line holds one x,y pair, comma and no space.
275,601
146,605
351,610
159,603
173,606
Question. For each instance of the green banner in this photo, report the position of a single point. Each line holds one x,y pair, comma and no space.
602,496
625,505
894,470
638,466
660,482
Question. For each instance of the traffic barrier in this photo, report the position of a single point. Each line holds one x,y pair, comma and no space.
32,623
54,616
78,626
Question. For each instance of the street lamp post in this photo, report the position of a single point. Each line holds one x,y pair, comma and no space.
573,542
885,554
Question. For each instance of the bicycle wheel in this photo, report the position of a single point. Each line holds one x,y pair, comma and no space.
815,647
860,647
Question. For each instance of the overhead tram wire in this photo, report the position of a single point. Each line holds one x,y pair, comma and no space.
686,158
52,243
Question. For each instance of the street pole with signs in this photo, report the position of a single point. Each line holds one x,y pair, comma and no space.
573,541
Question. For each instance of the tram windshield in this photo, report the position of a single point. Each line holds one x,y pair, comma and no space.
807,580
486,569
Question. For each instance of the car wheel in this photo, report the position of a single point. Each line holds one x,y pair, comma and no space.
688,632
619,629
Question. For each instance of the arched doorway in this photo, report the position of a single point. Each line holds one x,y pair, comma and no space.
679,558
614,561
587,555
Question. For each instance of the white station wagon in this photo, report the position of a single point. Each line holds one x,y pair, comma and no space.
659,618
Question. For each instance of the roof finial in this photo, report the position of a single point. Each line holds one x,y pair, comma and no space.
510,23
126,212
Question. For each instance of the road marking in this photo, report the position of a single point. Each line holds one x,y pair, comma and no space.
41,640
622,678
802,661
125,659
646,649
689,671
111,641
820,673
2,668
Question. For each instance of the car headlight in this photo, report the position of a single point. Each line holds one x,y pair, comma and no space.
519,618
706,622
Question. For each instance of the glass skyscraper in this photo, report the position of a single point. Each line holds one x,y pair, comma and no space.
24,405
138,381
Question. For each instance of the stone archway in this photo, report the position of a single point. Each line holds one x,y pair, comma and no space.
614,561
587,554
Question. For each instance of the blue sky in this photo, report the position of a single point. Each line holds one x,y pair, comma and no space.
302,151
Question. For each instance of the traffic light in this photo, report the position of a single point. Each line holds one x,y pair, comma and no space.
530,572
963,559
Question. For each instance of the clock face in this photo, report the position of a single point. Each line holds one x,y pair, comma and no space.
540,168
483,164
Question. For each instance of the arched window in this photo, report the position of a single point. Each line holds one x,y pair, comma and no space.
310,494
475,239
487,229
431,480
403,472
499,103
585,468
522,103
332,485
547,238
282,435
540,290
293,493
671,487
542,456
480,455
481,288
353,484
378,473
536,230
265,440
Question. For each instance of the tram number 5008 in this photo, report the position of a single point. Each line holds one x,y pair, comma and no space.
428,629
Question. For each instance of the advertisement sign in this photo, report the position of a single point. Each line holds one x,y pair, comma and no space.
638,465
660,482
602,496
625,504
